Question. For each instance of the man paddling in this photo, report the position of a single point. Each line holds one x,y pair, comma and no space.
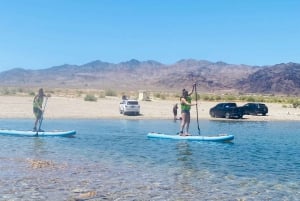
38,108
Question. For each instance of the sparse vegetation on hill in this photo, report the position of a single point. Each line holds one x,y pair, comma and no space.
135,75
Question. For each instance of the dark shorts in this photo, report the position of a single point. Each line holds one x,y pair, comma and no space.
37,113
185,111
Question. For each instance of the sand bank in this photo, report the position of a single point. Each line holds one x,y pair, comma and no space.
65,107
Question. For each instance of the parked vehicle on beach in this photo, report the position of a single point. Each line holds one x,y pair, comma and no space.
226,110
255,109
129,107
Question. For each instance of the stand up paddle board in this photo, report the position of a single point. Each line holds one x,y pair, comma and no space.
215,138
39,134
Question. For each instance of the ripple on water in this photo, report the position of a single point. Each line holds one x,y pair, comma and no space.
103,163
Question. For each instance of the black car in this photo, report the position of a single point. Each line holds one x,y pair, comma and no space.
255,109
226,110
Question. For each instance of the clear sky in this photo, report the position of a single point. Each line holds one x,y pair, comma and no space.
38,34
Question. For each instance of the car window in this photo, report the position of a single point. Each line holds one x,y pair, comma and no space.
219,106
132,103
232,105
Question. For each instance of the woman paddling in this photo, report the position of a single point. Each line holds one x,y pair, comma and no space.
186,103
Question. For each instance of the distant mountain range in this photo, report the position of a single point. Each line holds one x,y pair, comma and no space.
154,76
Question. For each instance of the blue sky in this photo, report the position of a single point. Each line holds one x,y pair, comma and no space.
37,34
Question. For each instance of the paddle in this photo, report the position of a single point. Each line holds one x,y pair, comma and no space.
42,117
195,85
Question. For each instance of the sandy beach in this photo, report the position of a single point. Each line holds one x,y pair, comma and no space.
66,107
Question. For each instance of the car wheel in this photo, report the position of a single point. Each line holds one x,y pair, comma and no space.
212,114
227,115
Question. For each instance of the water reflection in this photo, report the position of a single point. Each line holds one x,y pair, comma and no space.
38,148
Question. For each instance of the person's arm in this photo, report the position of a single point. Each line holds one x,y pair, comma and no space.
35,103
186,103
192,90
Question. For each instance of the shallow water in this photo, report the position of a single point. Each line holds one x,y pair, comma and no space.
114,160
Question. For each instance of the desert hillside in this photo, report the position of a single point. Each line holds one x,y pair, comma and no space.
151,75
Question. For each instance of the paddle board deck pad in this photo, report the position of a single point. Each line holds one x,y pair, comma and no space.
39,134
215,138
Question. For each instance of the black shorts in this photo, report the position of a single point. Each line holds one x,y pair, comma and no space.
185,111
37,112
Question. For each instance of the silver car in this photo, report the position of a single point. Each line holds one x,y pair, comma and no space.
129,107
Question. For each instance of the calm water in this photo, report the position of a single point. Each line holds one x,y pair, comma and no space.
116,161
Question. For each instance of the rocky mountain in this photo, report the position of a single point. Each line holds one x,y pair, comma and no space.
280,78
155,76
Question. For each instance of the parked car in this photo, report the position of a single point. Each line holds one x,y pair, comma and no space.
226,110
129,107
255,109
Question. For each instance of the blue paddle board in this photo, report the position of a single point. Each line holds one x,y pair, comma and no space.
39,134
215,138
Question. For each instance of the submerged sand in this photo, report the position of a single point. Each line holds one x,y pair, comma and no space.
77,107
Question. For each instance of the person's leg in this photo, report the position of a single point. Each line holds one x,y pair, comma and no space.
38,115
35,124
183,122
188,120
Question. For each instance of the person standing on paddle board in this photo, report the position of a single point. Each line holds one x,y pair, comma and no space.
38,107
186,103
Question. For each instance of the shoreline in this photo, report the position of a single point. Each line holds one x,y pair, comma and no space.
19,107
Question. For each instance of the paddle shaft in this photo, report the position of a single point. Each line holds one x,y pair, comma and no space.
42,116
197,108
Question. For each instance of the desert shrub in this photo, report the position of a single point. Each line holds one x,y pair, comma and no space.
206,98
250,99
177,96
110,92
7,91
230,98
101,95
160,95
90,97
260,99
20,90
157,95
163,97
296,103
31,93
218,98
198,97
79,93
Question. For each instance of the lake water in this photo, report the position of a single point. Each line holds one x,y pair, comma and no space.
114,160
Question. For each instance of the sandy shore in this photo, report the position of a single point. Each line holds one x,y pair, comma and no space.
64,107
